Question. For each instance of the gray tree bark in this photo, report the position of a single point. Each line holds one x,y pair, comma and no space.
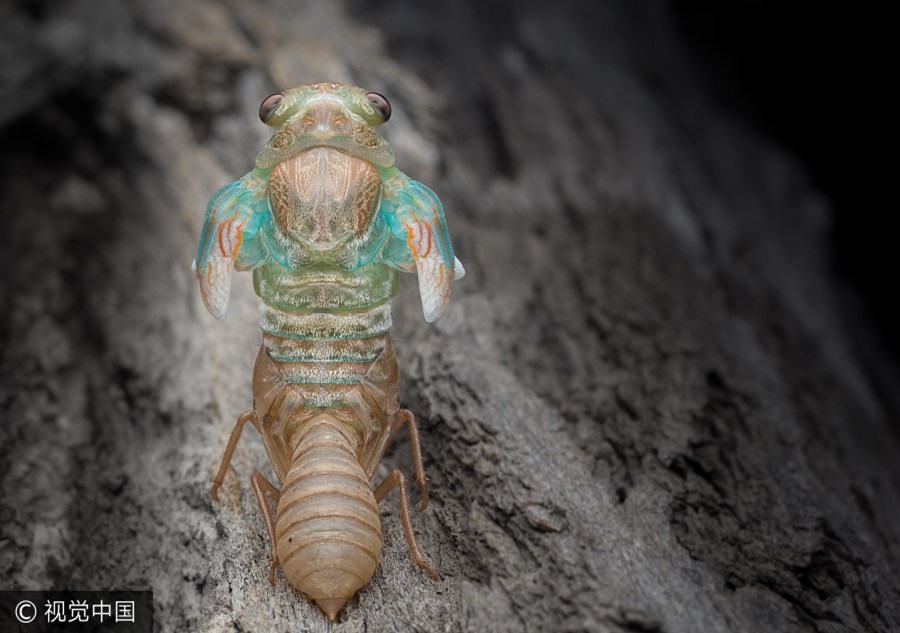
646,408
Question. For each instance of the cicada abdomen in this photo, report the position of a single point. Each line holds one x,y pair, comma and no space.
328,532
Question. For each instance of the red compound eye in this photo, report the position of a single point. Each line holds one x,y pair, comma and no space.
381,104
269,105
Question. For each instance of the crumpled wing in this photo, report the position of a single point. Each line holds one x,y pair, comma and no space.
229,221
416,217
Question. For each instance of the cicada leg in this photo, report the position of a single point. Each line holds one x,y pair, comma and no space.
396,479
405,416
262,487
229,452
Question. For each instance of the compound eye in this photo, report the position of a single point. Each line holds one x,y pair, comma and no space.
269,105
382,106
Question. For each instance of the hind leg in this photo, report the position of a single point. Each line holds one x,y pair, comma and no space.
405,416
397,480
229,452
263,487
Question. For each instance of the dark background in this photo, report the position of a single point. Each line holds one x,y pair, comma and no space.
813,77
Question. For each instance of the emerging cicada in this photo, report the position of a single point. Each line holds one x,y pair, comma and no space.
325,221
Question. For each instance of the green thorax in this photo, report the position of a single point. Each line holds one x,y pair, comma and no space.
325,301
325,288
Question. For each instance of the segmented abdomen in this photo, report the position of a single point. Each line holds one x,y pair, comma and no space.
328,532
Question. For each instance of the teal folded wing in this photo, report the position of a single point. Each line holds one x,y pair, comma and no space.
420,241
229,239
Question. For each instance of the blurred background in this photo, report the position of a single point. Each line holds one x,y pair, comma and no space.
664,398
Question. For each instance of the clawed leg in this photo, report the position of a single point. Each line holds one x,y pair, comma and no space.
397,480
405,416
262,487
229,451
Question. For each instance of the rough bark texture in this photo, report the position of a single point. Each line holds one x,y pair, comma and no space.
642,411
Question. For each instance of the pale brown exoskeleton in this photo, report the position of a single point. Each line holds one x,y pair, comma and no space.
325,221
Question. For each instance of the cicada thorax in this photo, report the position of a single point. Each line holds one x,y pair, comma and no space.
323,198
326,319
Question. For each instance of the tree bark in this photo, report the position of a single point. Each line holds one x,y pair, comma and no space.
644,410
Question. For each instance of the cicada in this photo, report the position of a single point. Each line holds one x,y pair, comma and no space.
326,221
